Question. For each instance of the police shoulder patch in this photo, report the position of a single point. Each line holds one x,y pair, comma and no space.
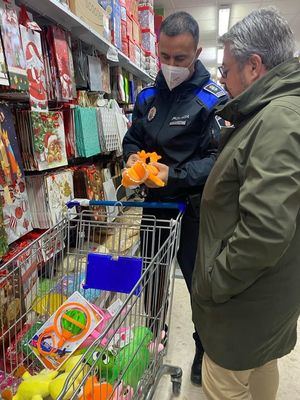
146,93
214,89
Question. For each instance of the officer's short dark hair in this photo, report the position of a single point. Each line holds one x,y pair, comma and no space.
178,23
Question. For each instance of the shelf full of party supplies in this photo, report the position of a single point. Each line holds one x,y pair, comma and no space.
58,13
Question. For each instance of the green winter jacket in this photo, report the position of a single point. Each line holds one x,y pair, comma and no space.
246,282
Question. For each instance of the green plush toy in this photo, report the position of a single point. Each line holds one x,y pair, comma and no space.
134,358
104,362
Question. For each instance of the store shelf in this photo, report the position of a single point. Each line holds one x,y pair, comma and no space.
55,11
14,96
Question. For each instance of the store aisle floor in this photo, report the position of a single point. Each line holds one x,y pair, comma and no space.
181,353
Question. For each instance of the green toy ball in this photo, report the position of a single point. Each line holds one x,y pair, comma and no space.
76,316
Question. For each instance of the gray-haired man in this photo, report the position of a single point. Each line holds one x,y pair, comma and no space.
176,119
246,296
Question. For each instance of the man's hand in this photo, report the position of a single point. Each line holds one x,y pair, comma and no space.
131,160
163,174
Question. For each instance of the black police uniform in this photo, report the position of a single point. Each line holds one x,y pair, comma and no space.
180,126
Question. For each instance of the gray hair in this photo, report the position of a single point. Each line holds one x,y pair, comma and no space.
263,32
178,23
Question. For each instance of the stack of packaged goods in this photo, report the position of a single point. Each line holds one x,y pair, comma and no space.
149,40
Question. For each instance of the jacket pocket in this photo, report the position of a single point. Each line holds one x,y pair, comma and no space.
206,263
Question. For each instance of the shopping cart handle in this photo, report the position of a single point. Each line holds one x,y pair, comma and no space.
142,204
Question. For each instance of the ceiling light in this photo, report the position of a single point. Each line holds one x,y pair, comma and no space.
224,15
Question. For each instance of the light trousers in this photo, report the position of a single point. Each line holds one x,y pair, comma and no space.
254,384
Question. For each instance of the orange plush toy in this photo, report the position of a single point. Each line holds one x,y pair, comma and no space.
95,390
142,171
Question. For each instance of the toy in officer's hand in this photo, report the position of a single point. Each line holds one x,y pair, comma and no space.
142,171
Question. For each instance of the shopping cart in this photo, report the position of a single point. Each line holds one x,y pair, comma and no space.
125,359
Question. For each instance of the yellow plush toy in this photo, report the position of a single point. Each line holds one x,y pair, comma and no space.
56,386
35,387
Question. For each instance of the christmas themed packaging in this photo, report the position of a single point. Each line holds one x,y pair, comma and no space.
12,44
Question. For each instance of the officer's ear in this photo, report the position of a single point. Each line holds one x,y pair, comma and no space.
198,52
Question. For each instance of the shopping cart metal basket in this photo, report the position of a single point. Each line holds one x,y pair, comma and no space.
121,263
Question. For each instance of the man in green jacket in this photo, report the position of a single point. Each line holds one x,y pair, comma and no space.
246,282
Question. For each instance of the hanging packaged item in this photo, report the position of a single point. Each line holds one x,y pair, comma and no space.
60,190
88,184
71,64
49,74
108,127
105,68
62,56
12,185
69,125
95,74
3,234
48,137
35,69
12,45
39,206
4,81
110,194
48,196
86,130
26,139
118,84
121,121
126,88
80,65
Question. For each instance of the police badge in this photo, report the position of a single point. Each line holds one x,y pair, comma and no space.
152,114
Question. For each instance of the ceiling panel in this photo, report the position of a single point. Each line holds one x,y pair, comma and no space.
240,10
286,6
206,12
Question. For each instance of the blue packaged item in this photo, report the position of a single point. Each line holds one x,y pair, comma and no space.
114,274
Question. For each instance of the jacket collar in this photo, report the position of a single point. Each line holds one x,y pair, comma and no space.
198,79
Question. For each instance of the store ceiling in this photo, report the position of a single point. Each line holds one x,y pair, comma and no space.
206,13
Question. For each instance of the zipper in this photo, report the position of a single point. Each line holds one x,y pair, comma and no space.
164,123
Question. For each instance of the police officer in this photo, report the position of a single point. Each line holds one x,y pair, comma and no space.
176,119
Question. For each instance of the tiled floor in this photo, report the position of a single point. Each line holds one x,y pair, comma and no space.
181,352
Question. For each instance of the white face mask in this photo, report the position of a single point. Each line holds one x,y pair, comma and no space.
174,76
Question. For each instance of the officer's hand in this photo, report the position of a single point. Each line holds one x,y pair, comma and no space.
163,174
131,160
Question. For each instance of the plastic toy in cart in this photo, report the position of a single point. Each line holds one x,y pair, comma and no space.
64,332
142,170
